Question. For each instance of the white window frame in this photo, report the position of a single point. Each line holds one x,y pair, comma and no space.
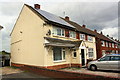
62,56
82,36
63,50
103,43
90,38
112,45
90,51
106,44
116,45
109,44
55,33
116,51
72,34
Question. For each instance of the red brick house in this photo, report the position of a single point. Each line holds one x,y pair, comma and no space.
105,45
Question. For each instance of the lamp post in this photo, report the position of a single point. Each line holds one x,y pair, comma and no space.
1,27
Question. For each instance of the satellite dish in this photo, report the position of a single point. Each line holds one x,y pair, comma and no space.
49,32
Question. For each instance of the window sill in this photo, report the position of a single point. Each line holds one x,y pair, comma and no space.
59,61
57,36
74,57
90,58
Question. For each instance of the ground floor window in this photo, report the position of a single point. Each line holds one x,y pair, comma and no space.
90,52
58,53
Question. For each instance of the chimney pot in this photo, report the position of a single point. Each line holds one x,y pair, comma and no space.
95,30
36,6
107,35
67,18
101,32
83,25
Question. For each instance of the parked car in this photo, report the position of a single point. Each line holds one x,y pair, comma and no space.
107,62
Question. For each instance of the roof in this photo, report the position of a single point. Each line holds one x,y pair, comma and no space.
80,28
51,17
88,31
103,37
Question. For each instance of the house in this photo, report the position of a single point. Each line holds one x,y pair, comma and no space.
42,39
105,45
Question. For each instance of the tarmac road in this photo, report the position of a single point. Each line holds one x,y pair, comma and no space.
9,73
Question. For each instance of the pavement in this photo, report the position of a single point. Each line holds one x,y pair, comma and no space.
106,73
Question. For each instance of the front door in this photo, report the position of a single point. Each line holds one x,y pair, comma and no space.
83,57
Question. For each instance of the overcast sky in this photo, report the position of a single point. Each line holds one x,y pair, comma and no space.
99,15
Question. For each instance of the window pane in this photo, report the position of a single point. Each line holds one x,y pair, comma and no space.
57,54
63,32
90,38
105,58
59,31
74,54
115,58
82,36
90,52
103,43
54,31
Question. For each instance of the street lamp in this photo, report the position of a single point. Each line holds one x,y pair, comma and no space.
1,27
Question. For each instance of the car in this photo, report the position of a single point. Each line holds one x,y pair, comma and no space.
107,62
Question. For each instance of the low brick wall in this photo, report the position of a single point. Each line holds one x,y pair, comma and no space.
57,67
63,75
17,65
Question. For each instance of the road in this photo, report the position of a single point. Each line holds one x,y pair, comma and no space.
9,73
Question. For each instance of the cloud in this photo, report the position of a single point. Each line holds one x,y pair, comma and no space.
8,14
10,8
111,31
96,15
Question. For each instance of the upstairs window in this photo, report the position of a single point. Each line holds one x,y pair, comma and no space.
116,46
72,34
113,45
103,43
90,38
106,44
82,36
109,44
58,31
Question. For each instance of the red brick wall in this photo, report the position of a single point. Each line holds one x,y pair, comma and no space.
64,75
77,35
99,48
55,67
66,33
86,37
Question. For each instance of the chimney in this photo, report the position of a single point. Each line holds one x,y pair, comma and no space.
67,18
83,25
111,37
107,35
101,32
95,30
36,6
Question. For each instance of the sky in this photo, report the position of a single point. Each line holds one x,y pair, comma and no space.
101,15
